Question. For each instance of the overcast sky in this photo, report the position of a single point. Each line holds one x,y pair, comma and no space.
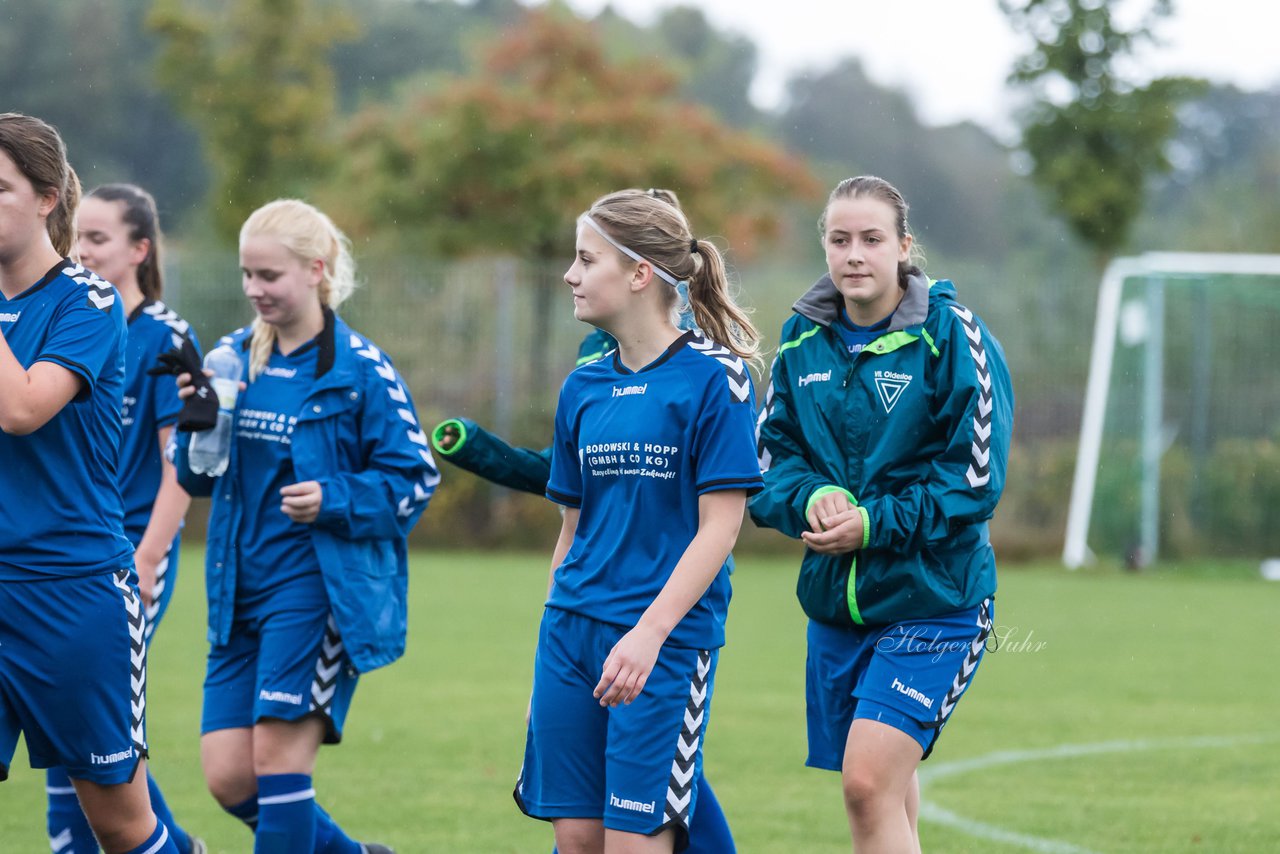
952,56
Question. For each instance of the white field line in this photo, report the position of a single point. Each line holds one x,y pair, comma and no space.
929,774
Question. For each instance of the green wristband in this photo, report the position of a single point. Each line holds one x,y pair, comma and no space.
438,434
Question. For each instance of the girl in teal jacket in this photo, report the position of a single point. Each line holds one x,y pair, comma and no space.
883,439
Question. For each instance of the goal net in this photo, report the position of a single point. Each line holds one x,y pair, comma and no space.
1180,442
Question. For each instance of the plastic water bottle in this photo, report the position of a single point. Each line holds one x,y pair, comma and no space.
211,449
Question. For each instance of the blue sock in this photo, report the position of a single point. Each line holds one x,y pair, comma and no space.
708,828
159,842
286,815
69,831
158,806
246,811
329,837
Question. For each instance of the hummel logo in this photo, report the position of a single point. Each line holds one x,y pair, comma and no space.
97,759
649,807
286,373
10,316
280,697
624,390
822,377
927,702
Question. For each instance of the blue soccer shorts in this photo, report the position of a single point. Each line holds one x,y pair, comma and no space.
634,766
908,675
73,675
284,665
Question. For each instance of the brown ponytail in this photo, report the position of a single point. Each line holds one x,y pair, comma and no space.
652,224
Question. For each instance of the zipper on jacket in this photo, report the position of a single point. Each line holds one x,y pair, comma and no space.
848,375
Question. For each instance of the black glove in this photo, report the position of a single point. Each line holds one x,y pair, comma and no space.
200,410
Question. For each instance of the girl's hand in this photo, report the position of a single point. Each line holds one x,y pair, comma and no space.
842,532
448,437
301,501
628,666
823,513
184,384
185,388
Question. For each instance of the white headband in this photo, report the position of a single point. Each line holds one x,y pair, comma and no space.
635,256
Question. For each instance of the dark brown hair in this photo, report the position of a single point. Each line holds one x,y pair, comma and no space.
41,156
144,224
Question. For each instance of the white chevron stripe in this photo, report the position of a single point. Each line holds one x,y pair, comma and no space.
99,301
407,416
418,437
682,778
974,480
691,722
679,803
398,394
687,748
704,666
62,840
962,312
385,371
984,404
697,693
981,456
983,431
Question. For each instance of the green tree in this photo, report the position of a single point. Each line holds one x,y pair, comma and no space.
1094,139
502,161
256,82
85,66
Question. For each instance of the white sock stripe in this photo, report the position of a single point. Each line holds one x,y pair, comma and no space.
60,790
287,798
161,842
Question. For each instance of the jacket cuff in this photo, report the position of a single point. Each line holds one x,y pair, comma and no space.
827,490
438,434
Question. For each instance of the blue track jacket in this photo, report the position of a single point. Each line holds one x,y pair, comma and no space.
916,428
358,436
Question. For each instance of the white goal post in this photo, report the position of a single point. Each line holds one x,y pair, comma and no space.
1155,265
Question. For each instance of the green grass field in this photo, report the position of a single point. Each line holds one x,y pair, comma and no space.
1124,713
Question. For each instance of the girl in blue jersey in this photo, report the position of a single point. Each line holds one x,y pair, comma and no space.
653,458
883,439
467,445
72,648
307,557
119,239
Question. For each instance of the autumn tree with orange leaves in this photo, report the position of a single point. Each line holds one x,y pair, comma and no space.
503,161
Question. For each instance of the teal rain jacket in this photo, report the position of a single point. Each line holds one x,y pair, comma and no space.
916,428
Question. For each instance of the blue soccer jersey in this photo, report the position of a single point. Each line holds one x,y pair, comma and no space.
60,509
150,403
634,450
277,558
